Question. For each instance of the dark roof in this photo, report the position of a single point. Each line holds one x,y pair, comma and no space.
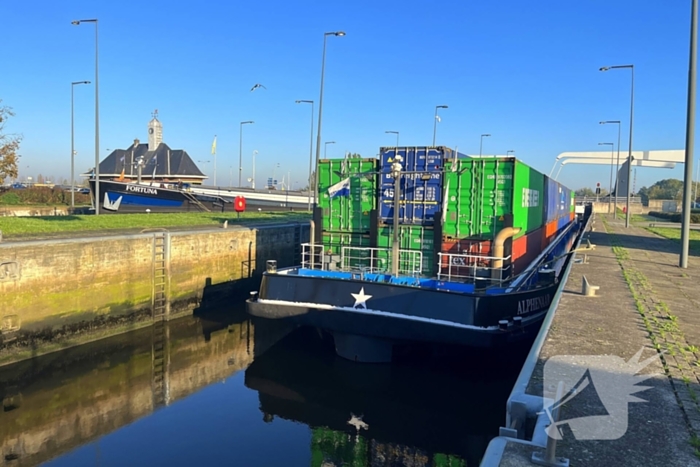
168,163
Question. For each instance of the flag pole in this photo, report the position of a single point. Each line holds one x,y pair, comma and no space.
213,151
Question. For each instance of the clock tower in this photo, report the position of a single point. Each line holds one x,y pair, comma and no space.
155,132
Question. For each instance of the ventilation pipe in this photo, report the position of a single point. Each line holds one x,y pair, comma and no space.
498,242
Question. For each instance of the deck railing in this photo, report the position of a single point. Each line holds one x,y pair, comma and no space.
470,268
360,259
378,260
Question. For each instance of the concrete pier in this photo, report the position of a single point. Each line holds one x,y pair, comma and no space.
644,303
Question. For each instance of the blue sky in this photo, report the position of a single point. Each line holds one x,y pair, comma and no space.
525,72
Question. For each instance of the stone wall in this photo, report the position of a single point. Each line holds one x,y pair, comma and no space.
63,286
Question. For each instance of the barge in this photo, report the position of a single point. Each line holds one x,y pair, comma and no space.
474,255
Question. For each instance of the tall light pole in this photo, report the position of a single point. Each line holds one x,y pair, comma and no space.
72,142
396,175
320,111
97,117
325,148
397,136
617,164
481,142
252,182
436,120
240,151
629,157
689,136
612,155
311,144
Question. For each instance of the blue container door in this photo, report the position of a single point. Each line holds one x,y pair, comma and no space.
421,184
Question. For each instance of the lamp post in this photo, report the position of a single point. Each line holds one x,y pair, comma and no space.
629,157
320,111
396,175
72,143
311,145
252,182
325,148
97,116
508,152
617,164
481,142
612,155
689,136
240,151
397,136
436,120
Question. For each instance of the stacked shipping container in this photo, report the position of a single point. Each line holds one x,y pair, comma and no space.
346,203
449,203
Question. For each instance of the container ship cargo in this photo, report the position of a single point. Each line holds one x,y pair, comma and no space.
483,246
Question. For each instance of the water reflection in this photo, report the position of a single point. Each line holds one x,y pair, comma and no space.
430,413
111,402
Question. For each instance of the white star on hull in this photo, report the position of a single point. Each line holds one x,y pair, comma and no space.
361,298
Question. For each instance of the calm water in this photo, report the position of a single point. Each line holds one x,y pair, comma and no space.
248,393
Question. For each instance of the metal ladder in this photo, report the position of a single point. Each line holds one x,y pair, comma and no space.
196,202
160,357
297,245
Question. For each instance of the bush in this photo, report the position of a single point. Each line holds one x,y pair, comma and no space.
9,198
676,216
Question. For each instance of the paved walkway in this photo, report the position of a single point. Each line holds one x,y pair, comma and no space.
644,301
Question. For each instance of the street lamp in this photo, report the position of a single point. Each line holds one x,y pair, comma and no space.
252,182
311,145
97,117
320,111
689,136
325,148
612,155
436,120
508,152
72,143
629,157
397,136
481,142
617,164
240,151
396,175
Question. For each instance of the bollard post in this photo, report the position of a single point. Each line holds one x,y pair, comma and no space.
549,457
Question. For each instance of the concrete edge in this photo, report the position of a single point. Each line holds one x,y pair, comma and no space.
117,236
519,401
497,447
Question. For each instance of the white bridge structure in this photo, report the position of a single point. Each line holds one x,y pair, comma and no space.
661,159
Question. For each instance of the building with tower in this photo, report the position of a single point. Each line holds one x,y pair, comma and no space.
156,161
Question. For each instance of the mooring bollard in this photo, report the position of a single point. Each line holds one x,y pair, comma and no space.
589,290
549,457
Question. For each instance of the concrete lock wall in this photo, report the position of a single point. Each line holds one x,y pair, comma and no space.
52,285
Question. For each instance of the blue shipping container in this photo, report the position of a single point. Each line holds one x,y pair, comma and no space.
421,183
563,222
558,200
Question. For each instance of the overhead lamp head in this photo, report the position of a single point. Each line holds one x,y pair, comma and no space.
604,68
340,33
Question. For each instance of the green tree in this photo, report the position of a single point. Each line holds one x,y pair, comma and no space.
9,144
585,192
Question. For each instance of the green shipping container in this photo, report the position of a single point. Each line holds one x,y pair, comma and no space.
482,194
347,211
413,238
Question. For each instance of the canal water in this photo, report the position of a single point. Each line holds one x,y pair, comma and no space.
231,391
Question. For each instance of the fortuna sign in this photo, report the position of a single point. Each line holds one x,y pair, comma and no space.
141,189
533,304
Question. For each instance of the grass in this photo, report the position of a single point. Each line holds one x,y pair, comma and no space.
675,235
25,227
